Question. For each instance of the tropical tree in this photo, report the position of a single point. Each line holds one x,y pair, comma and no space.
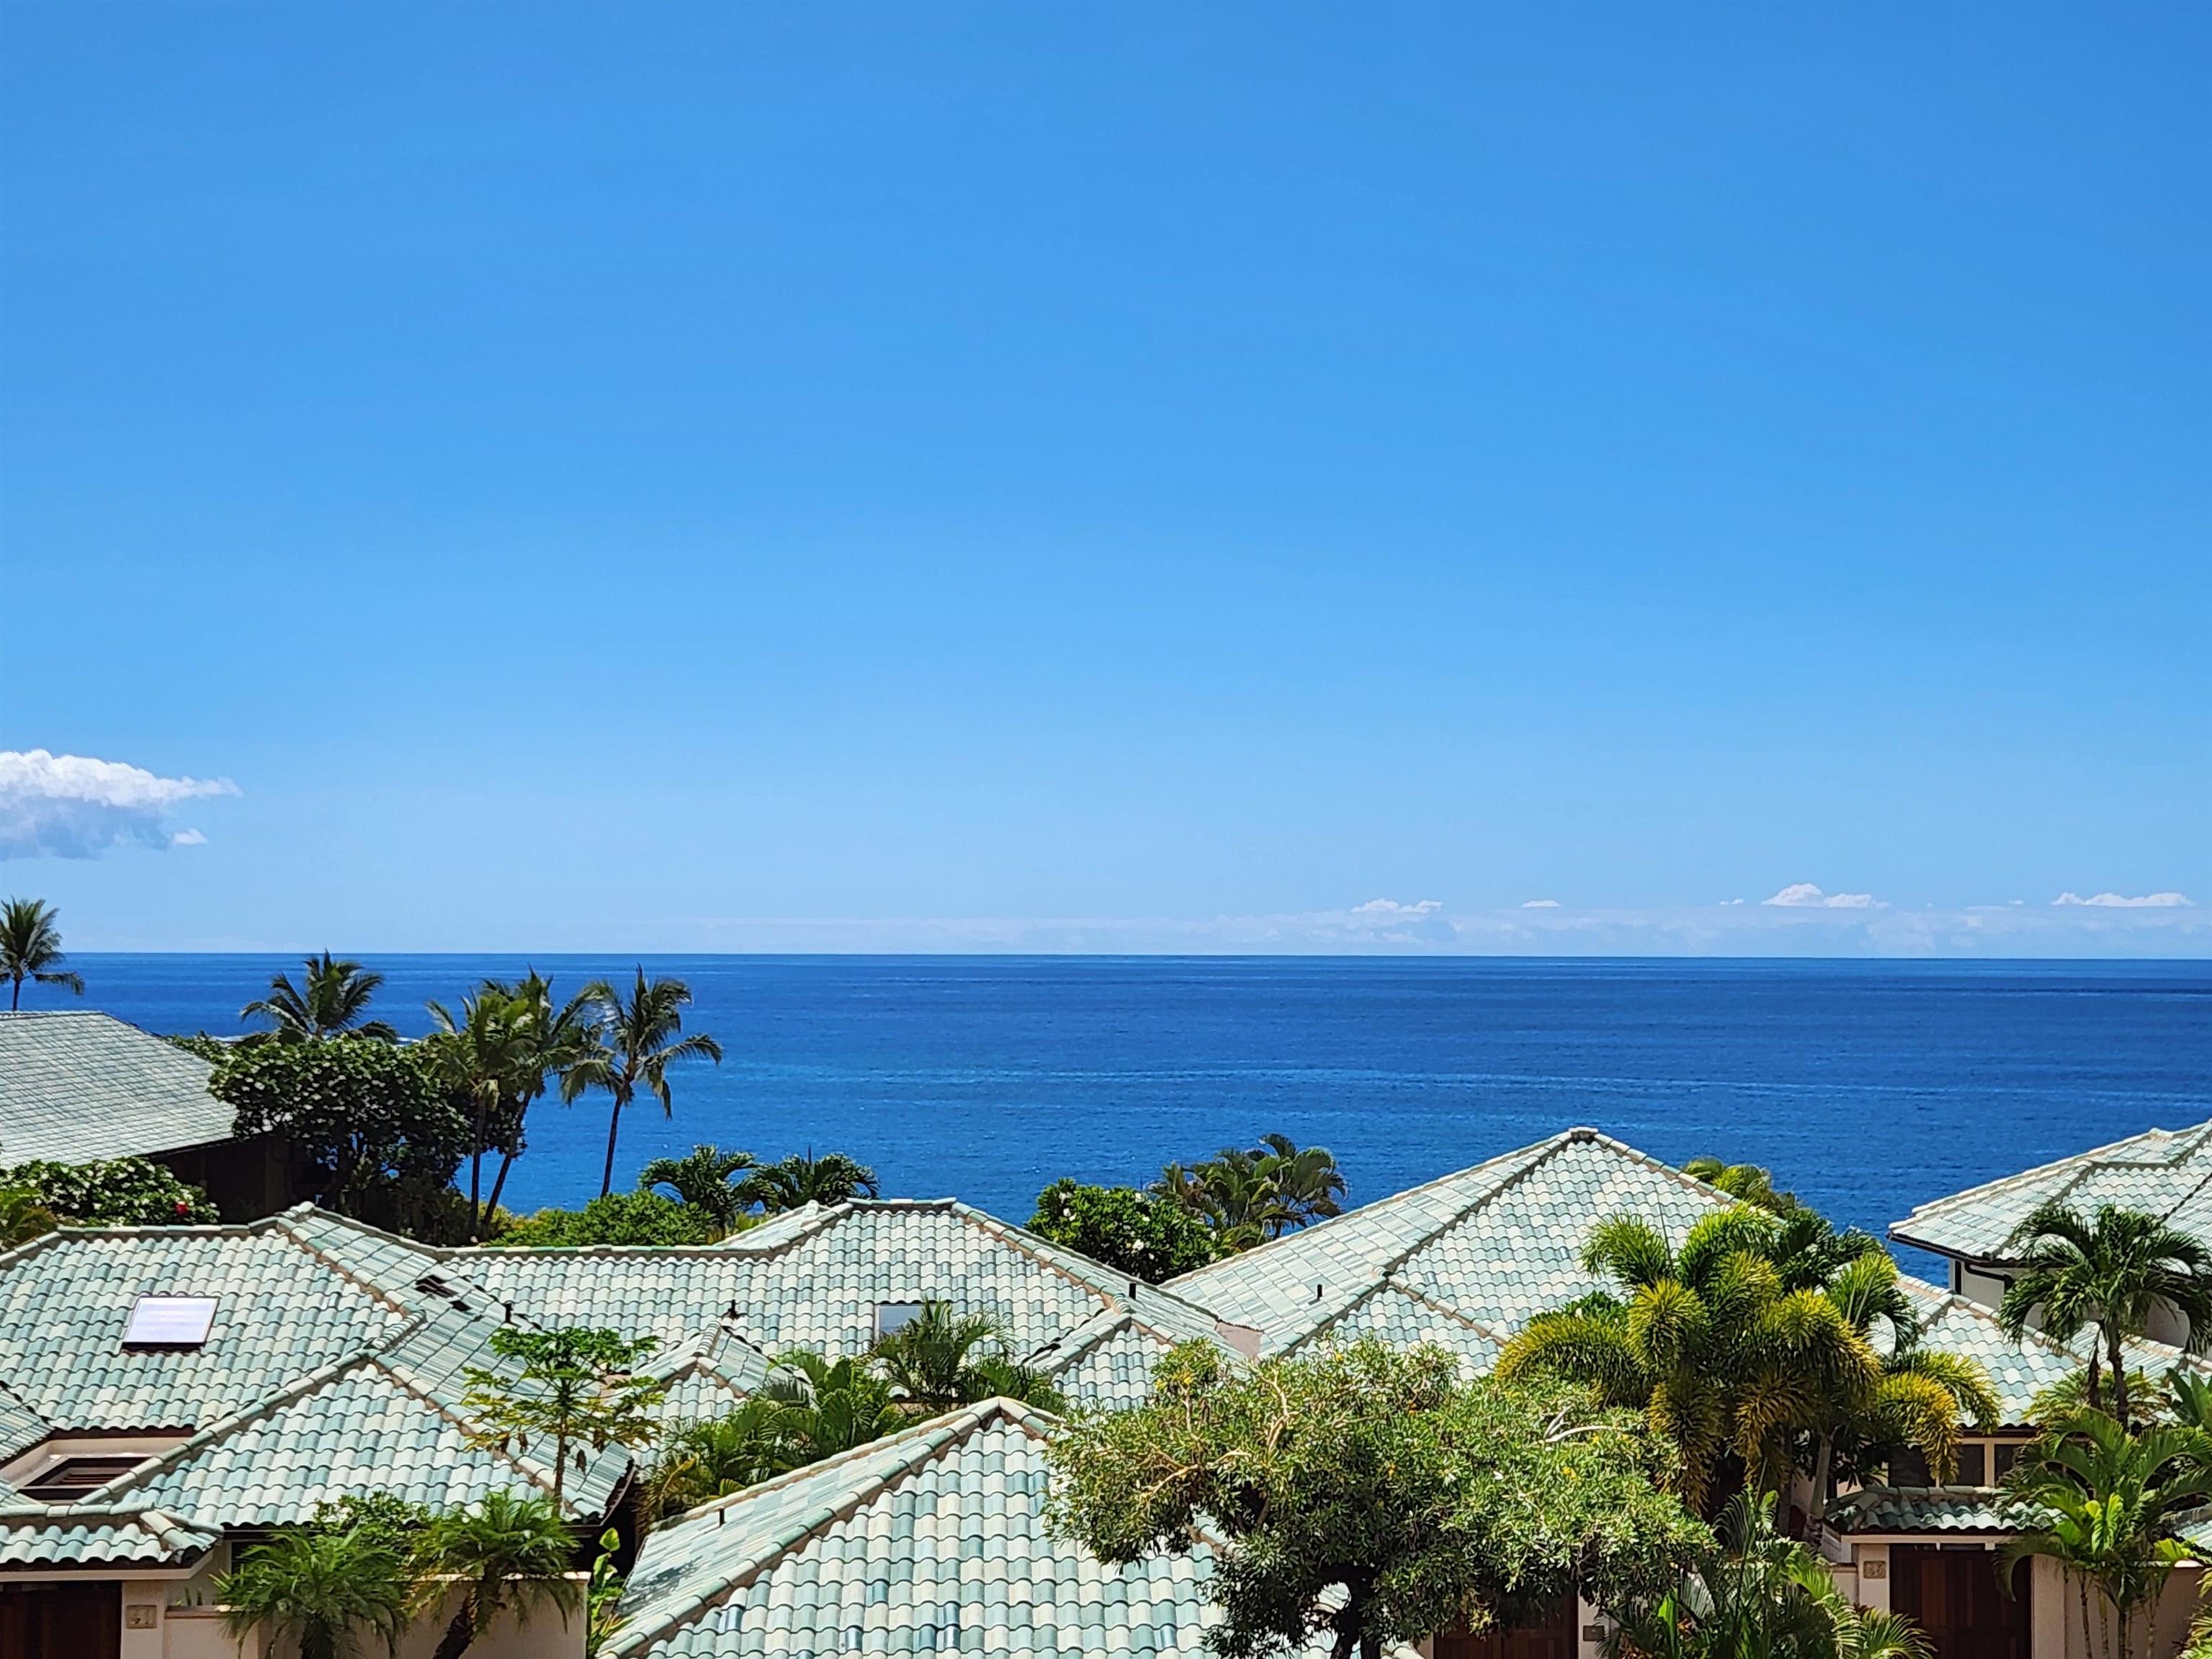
830,1406
316,1585
1139,1234
1368,1496
712,1457
572,1385
1748,1183
930,1360
22,1217
113,1191
483,1057
2106,1505
618,1218
329,1002
1725,1358
802,1179
1758,1594
1250,1194
556,1039
30,948
508,1553
636,1038
2111,1273
701,1178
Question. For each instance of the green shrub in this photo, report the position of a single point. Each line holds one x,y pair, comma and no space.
1130,1232
361,1114
119,1192
618,1218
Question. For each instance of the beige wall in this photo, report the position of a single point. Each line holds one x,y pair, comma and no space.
196,1632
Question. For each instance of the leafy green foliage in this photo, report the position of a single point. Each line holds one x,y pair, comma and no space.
1131,1232
2107,1503
700,1179
1249,1195
2110,1273
569,1386
802,1179
618,1218
1369,1495
940,1359
213,1050
1757,1594
30,948
363,1115
635,1040
509,1554
1748,1183
22,1217
314,1585
117,1192
329,1002
604,1596
1752,1344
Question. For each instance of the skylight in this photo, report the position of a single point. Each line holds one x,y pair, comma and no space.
169,1321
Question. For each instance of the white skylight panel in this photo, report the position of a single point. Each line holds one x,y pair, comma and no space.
169,1321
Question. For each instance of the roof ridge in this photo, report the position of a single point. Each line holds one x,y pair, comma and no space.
2019,1176
1029,1243
1319,1229
930,1440
1389,1281
222,1427
308,1248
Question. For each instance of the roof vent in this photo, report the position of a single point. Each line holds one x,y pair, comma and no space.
431,1284
1316,1292
169,1321
1581,1134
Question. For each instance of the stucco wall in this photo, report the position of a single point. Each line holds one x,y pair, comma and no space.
197,1634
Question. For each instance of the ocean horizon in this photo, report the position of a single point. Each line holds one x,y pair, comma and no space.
1867,1087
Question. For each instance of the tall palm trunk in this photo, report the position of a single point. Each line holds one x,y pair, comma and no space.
614,1127
2119,1372
476,1174
16,1000
460,1629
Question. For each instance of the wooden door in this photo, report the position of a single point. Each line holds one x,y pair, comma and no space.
1551,1638
61,1621
1955,1597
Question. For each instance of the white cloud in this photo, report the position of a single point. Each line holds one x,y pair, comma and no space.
1391,910
1540,904
2119,901
1803,894
73,806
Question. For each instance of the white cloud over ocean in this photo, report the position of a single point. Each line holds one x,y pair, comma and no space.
2118,902
1804,896
73,806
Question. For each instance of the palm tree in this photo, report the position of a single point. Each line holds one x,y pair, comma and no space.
1759,1593
802,1179
316,1585
1308,1184
328,1003
636,1043
1249,1195
932,1364
714,1457
2106,1505
30,948
483,1057
556,1039
23,1217
701,1178
2112,1272
1748,1183
1724,1357
830,1406
509,1554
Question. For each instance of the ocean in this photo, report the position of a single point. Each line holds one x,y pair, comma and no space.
1867,1087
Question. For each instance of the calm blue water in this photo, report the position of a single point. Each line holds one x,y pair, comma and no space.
1868,1087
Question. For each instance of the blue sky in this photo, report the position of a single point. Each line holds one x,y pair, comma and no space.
1108,477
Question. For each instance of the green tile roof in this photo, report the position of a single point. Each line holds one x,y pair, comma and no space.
2167,1172
1467,1259
1928,1510
83,1535
280,1313
932,1542
76,1086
